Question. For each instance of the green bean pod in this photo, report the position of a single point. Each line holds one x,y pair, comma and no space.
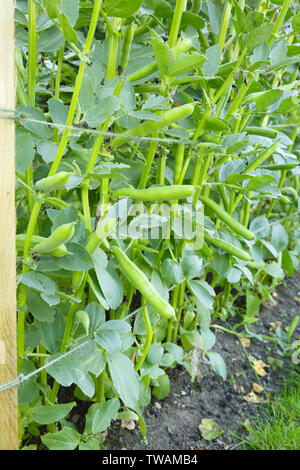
160,193
179,48
141,282
261,158
228,219
280,166
178,162
60,236
262,131
53,183
231,249
35,240
292,191
126,45
148,127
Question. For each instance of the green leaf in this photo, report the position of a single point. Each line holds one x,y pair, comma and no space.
171,272
39,308
58,111
96,315
50,40
100,113
287,262
52,7
111,286
69,370
266,99
70,9
28,390
109,340
208,339
38,129
120,326
163,55
52,333
24,152
122,8
211,66
203,292
191,265
260,226
280,237
296,22
155,353
161,8
162,390
40,282
50,414
253,20
100,415
47,150
79,260
209,429
68,32
258,35
274,270
185,63
233,275
278,52
192,19
92,443
124,378
215,12
252,304
82,318
66,439
217,363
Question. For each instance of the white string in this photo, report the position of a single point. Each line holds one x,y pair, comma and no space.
21,117
23,378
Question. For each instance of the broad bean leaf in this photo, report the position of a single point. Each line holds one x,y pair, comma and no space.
122,8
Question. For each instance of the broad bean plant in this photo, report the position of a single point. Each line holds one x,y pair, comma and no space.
157,163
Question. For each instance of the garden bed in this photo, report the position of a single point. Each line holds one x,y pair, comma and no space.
173,423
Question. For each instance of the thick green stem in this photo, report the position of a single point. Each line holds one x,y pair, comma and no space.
31,80
279,21
100,387
149,334
148,164
174,305
224,23
113,46
65,137
179,9
23,290
57,82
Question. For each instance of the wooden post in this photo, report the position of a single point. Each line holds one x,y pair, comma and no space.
8,362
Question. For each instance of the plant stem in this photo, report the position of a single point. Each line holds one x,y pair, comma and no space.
149,334
31,81
179,9
279,21
113,46
57,82
148,164
174,305
65,137
224,23
100,387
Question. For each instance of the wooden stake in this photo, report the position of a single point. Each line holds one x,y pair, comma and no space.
8,361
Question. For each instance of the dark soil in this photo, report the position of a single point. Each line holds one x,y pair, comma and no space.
173,422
